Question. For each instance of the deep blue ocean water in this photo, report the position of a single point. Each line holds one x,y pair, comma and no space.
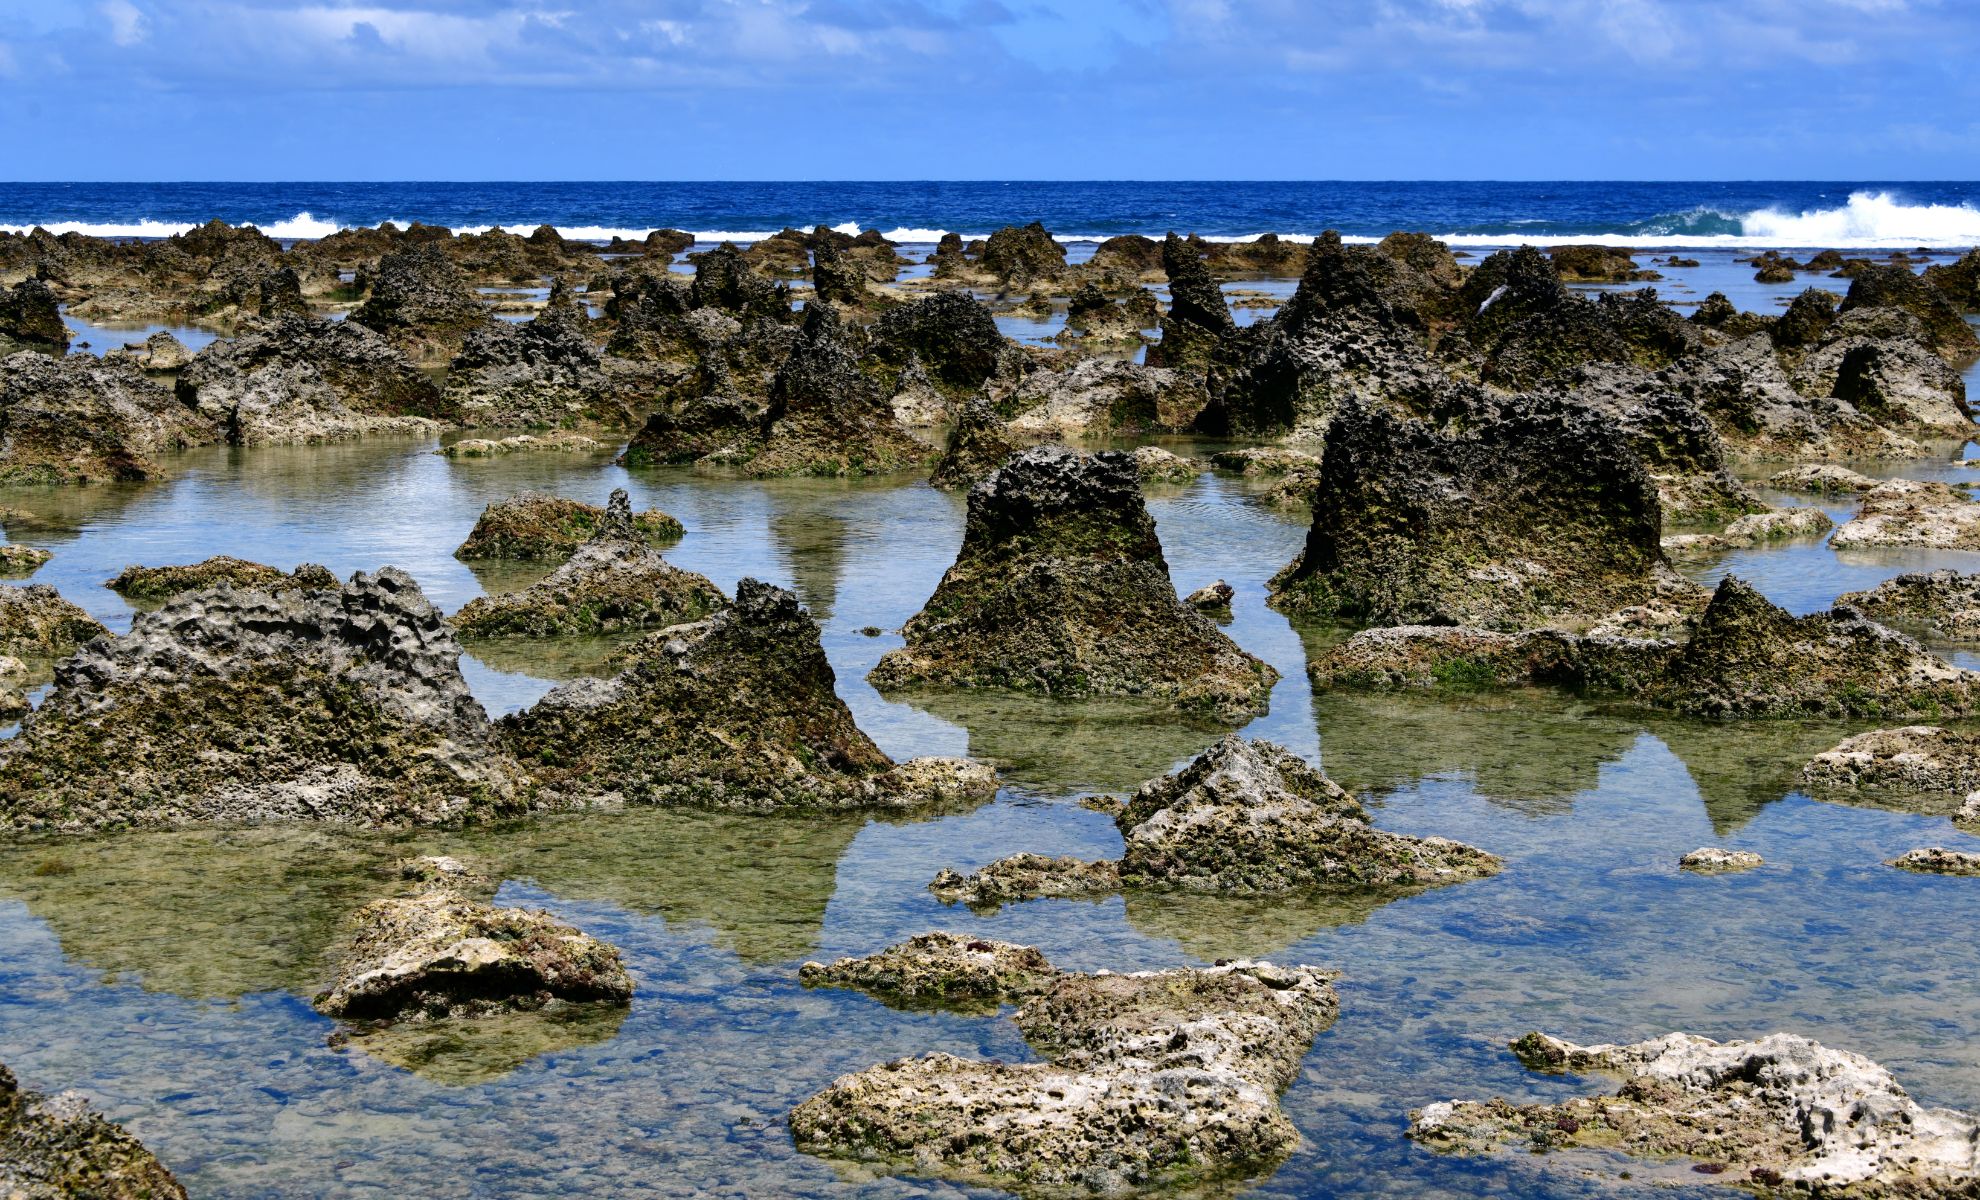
1785,214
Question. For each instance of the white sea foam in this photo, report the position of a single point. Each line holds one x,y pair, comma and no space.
1868,220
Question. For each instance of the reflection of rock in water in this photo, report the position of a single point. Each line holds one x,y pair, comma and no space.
56,516
1530,752
1069,745
812,543
558,658
1213,928
499,575
761,883
1740,767
201,914
464,1053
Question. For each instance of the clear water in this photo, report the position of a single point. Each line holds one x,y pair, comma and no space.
168,975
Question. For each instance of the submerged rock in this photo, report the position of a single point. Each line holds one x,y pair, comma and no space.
244,705
1713,860
57,1147
31,316
614,581
1026,876
299,380
1060,587
1541,514
539,527
439,954
1910,512
157,583
87,420
1754,529
1779,1113
1155,1078
36,620
734,711
940,968
1946,601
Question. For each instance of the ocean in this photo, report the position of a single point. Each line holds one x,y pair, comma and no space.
1700,215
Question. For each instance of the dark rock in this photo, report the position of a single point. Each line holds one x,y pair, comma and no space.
1946,601
421,302
978,444
734,711
546,373
1539,512
1130,253
1019,256
160,583
1597,264
952,336
1060,587
243,705
836,278
281,294
1895,287
1959,281
824,416
1197,318
30,316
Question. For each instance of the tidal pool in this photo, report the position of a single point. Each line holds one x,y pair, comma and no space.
168,975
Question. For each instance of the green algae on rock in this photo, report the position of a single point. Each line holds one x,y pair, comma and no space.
158,583
36,620
241,705
1778,1114
538,527
737,710
57,1147
940,969
1156,1079
1540,513
978,444
1060,587
1946,602
615,581
22,560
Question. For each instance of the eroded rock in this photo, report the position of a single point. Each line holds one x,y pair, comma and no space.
1911,512
87,420
1060,587
536,526
1715,860
158,583
298,380
1947,602
36,620
55,1147
940,968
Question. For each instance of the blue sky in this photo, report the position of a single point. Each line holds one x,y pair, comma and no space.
976,89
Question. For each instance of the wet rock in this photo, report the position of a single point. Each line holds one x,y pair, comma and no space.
1946,602
1464,659
1597,264
1755,529
421,302
719,425
1097,396
22,560
1060,587
34,619
1779,1113
614,581
824,416
1130,253
559,442
1197,318
1959,281
1154,1079
734,711
1713,860
978,444
1538,515
301,381
1716,312
538,527
1026,876
1913,758
1019,256
158,583
1156,465
240,705
1822,479
1937,860
1774,271
1910,512
1097,319
31,316
1250,818
543,374
1211,597
940,968
87,420
1264,461
1896,287
439,954
160,353
54,1147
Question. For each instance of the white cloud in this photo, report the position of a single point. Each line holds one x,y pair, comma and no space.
128,25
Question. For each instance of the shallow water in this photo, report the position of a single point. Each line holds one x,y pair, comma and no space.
168,975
